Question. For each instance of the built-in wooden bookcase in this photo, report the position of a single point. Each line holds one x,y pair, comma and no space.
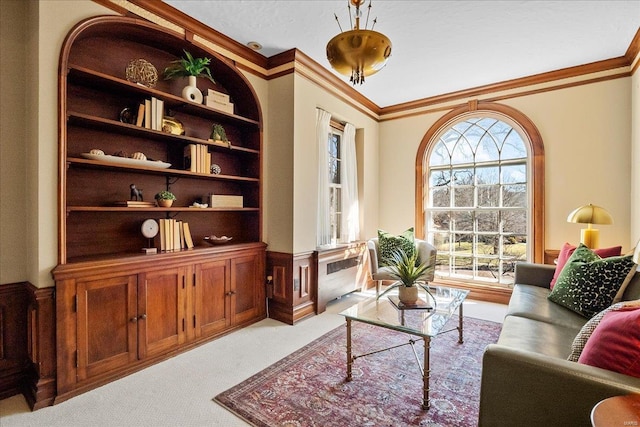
119,309
94,91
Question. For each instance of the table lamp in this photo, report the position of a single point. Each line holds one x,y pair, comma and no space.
590,214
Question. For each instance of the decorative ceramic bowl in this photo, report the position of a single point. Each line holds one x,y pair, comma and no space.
215,240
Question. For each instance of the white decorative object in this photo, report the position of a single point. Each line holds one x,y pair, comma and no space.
149,230
125,161
191,91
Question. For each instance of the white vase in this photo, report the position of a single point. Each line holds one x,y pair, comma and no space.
191,92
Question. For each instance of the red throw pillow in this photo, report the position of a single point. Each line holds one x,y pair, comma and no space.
615,343
567,251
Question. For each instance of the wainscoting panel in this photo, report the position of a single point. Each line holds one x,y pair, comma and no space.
27,343
293,288
13,338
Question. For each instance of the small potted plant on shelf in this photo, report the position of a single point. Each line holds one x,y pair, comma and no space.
410,272
218,133
190,67
165,199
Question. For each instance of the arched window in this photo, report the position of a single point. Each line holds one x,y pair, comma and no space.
480,185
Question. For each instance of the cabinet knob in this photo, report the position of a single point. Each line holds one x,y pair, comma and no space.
231,293
143,316
134,319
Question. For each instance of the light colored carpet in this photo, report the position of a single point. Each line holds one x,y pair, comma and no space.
178,392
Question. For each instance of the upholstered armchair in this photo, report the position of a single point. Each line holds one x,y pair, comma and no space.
425,250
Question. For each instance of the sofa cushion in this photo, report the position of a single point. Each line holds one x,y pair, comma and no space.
615,343
389,243
587,330
588,283
567,250
531,301
536,336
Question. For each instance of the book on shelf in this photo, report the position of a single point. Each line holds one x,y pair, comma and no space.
187,236
140,116
176,235
189,156
196,158
159,113
162,234
135,204
182,242
154,116
147,114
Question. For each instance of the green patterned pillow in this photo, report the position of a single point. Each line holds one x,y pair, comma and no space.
588,284
388,243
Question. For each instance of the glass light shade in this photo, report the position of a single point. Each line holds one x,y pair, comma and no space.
358,53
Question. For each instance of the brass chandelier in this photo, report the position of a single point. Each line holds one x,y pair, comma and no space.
358,53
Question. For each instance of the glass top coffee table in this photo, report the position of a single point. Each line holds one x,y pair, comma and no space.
424,321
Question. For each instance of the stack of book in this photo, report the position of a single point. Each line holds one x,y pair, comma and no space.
151,114
219,101
197,158
174,235
135,204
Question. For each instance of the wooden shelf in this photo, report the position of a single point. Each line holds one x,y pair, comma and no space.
94,122
94,79
156,171
154,209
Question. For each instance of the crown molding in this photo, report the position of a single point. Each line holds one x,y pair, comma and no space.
192,25
295,61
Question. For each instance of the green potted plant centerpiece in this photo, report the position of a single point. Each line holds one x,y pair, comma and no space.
410,272
165,199
190,67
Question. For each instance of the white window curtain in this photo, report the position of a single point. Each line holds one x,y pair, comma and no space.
350,227
322,136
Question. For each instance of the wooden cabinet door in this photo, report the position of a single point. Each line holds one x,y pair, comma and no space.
247,289
161,311
106,324
212,302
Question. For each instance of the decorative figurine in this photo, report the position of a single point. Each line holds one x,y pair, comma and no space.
136,194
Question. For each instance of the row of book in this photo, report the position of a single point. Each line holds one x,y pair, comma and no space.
174,235
197,158
151,114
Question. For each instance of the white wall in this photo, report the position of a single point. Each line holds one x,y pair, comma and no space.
586,133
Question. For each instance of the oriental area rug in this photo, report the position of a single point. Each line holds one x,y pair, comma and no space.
308,387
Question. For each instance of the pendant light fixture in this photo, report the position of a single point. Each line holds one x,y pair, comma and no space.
358,53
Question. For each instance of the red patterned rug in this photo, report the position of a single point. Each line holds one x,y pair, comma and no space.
308,387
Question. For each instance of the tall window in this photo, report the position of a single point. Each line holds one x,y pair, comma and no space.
338,207
477,209
335,183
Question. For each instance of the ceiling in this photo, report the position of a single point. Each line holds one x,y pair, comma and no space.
438,46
